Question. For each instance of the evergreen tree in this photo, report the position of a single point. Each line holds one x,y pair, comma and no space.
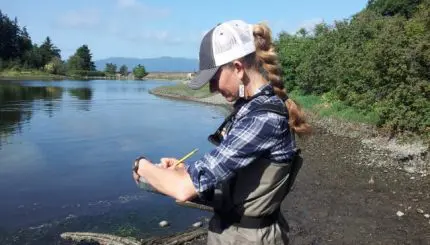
85,54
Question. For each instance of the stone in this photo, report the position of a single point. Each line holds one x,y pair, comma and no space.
197,224
400,213
420,211
427,216
163,223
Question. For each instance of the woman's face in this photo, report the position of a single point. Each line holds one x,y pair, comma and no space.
226,81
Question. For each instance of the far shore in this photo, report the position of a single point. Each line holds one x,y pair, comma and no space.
39,75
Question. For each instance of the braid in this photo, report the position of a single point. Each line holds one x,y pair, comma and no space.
267,58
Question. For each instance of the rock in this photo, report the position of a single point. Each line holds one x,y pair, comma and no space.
412,178
420,211
427,216
385,171
400,213
371,181
197,224
163,223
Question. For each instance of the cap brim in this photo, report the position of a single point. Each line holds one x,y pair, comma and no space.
202,77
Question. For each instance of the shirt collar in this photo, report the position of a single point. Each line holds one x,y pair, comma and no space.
266,90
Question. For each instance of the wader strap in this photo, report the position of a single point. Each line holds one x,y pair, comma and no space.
232,218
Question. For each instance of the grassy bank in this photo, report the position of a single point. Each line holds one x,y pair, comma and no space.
320,105
323,106
167,75
28,75
181,90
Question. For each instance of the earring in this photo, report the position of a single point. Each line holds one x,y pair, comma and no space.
241,91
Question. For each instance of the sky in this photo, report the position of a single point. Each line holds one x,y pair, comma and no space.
147,29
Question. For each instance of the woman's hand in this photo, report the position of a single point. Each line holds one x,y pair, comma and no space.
136,177
170,163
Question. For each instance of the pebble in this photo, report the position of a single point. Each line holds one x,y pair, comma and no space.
427,216
197,224
420,211
400,213
412,178
163,223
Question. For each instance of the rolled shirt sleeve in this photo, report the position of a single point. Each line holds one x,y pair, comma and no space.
248,138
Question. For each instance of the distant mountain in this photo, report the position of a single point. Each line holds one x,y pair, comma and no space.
161,64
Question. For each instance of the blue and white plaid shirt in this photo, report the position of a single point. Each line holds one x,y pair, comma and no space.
251,136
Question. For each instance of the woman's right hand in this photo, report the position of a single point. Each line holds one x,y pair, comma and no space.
170,163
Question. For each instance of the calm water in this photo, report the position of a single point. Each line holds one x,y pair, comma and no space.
66,150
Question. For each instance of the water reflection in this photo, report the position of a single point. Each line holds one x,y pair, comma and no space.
70,145
83,94
19,103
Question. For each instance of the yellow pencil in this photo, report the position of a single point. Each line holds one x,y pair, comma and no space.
186,156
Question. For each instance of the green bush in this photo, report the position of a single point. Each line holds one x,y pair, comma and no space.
375,62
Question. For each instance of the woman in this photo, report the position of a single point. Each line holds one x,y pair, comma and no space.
251,169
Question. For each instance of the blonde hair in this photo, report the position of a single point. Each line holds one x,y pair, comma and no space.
266,58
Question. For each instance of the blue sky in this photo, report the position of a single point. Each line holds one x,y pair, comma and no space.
144,29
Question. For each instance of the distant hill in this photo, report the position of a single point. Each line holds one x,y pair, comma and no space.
161,64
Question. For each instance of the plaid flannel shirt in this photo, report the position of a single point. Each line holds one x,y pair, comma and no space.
251,136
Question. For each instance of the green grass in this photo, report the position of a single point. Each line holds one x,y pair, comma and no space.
181,89
336,109
317,104
27,75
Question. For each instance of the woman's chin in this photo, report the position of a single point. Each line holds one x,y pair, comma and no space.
230,99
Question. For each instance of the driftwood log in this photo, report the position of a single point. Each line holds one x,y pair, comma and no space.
107,239
100,238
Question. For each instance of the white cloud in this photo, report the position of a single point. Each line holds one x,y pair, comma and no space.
142,9
126,3
159,36
82,19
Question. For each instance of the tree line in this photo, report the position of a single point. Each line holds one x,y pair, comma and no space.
378,62
18,52
138,71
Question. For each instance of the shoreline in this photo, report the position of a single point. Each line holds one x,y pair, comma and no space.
388,152
356,180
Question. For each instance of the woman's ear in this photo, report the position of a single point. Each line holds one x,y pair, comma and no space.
238,69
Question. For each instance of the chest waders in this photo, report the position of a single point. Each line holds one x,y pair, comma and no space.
252,198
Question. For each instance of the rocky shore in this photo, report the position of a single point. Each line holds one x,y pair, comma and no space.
357,186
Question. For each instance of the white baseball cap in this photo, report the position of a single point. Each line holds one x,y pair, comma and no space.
222,44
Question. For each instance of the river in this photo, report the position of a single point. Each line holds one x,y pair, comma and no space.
66,149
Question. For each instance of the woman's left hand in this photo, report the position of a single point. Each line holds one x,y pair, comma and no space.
136,177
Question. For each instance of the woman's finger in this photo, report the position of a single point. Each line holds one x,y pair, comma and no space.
136,177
